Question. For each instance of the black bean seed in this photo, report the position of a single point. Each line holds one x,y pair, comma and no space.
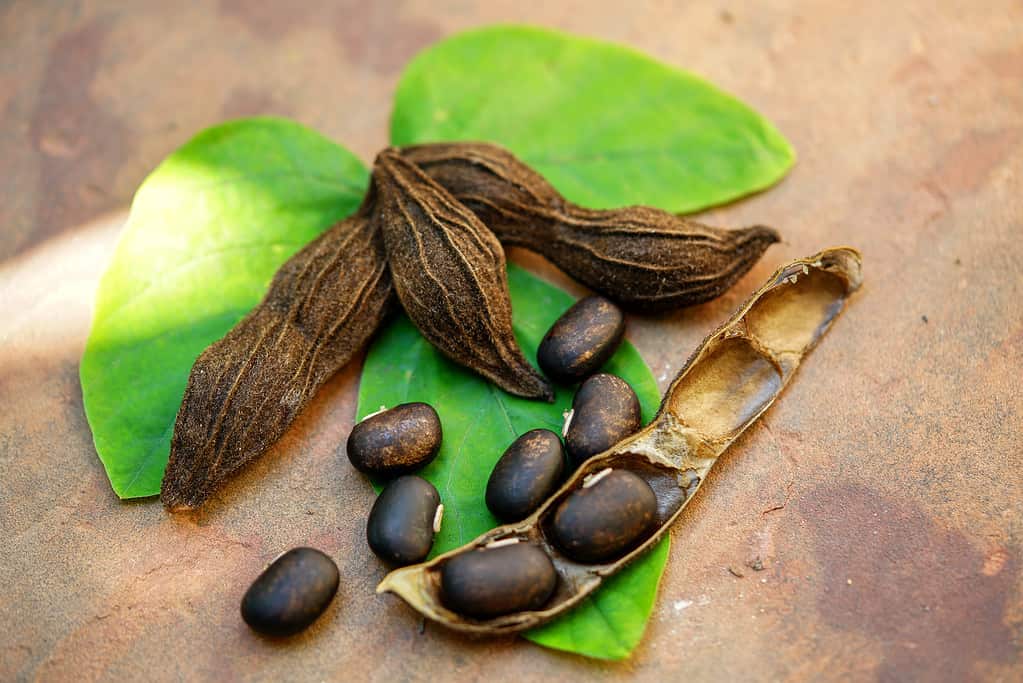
603,521
396,441
291,593
605,410
489,582
581,340
401,524
528,472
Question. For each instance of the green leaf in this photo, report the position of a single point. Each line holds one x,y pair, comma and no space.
208,229
605,124
480,421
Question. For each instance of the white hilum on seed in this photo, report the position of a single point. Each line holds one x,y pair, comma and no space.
592,479
568,420
437,517
383,409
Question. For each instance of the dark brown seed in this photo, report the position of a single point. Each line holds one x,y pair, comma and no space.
246,389
605,410
449,272
489,582
291,593
581,340
643,258
401,523
602,522
396,441
526,474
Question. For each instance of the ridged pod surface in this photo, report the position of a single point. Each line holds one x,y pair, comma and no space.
449,272
732,378
643,258
246,389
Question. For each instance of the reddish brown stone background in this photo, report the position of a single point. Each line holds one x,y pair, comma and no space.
881,497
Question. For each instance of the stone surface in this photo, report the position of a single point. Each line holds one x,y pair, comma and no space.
868,528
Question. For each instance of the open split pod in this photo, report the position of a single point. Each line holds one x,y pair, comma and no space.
732,378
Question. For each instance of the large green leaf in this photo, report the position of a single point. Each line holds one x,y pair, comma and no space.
208,229
479,422
605,124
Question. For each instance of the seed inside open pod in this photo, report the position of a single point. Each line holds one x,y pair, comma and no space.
499,579
610,514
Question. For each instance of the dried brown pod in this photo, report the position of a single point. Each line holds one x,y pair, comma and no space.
643,258
244,390
731,379
449,272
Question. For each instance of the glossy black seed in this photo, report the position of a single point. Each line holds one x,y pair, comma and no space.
581,340
400,526
528,472
291,593
605,411
489,582
396,441
603,522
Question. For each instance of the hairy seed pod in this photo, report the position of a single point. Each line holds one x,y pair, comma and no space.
643,258
245,390
449,272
